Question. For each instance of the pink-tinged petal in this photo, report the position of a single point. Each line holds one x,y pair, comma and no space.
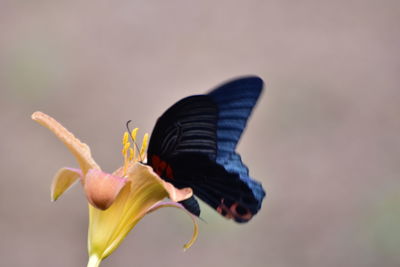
175,194
102,188
80,150
63,180
179,206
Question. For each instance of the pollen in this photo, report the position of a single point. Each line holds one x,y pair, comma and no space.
126,146
134,133
144,145
131,154
125,139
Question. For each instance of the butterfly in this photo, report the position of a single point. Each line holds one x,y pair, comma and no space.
193,145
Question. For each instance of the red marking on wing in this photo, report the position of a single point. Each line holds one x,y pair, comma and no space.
244,216
162,168
232,211
224,210
169,172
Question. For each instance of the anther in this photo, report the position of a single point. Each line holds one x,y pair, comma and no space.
131,154
144,145
125,138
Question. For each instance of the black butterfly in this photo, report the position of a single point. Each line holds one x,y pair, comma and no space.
193,145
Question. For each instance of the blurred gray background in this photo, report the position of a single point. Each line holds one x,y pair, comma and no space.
323,140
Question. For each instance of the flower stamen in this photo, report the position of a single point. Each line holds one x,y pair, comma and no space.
126,146
131,154
129,151
143,149
133,136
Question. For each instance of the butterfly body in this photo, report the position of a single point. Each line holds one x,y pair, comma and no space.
193,145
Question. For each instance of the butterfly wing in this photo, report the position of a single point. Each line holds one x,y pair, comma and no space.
193,144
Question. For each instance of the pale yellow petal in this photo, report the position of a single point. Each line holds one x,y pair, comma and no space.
175,194
104,223
179,206
80,150
109,227
102,188
63,180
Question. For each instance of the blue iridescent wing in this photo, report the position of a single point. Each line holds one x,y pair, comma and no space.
193,144
235,101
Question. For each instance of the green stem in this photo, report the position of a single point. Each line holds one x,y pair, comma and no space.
94,261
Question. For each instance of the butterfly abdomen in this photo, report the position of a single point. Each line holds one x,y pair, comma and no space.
191,205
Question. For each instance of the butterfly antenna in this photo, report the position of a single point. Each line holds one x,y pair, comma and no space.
133,140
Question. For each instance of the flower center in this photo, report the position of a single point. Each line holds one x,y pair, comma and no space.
129,151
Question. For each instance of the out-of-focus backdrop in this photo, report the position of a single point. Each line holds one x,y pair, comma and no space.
323,139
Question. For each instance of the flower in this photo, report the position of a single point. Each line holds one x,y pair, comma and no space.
117,201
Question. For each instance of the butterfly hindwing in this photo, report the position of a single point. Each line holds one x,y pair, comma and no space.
235,101
193,145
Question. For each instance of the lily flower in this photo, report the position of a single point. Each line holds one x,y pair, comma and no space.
118,200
